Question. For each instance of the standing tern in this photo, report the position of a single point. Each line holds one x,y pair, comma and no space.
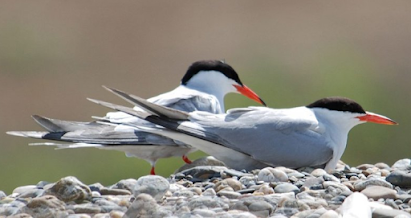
247,138
202,88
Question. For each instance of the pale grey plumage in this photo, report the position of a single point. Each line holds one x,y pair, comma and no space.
249,138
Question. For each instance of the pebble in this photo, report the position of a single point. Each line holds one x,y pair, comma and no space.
144,205
127,184
400,178
403,164
361,185
2,194
261,208
45,206
230,182
270,174
286,187
216,191
229,194
69,189
377,192
154,185
114,191
318,172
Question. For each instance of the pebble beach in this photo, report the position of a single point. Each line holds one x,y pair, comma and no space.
206,188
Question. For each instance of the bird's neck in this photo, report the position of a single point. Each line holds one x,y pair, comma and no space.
337,125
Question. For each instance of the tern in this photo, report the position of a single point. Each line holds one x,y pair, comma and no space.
255,137
202,88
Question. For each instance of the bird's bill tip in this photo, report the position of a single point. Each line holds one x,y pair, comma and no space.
376,118
244,90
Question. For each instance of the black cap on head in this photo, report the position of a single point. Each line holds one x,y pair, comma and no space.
209,65
338,104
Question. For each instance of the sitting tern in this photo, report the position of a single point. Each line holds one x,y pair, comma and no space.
202,88
248,138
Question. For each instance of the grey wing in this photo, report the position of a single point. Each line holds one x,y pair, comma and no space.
92,132
188,100
197,103
270,139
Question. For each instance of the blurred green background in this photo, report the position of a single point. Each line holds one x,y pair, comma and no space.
54,54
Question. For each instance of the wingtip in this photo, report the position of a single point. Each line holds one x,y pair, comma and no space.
14,133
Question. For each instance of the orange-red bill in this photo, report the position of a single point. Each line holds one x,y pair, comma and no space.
376,118
249,93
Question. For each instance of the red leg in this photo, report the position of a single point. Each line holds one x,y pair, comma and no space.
185,159
152,172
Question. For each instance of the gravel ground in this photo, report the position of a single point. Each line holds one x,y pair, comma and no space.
200,190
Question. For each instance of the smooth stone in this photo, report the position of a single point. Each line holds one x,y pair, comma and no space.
116,214
23,189
361,185
265,189
174,187
237,214
2,194
229,194
377,192
112,191
296,175
108,206
384,172
206,202
285,212
286,187
391,203
247,191
95,194
403,164
96,187
184,193
127,184
32,193
270,174
342,187
204,161
365,166
399,178
330,214
209,192
202,173
230,182
404,198
204,212
79,216
328,177
349,185
154,185
86,208
314,203
45,206
318,172
196,190
143,206
7,211
372,171
248,181
261,208
388,213
313,181
69,189
381,165
41,184
356,205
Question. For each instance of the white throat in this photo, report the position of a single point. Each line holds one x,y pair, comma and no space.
337,125
213,83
